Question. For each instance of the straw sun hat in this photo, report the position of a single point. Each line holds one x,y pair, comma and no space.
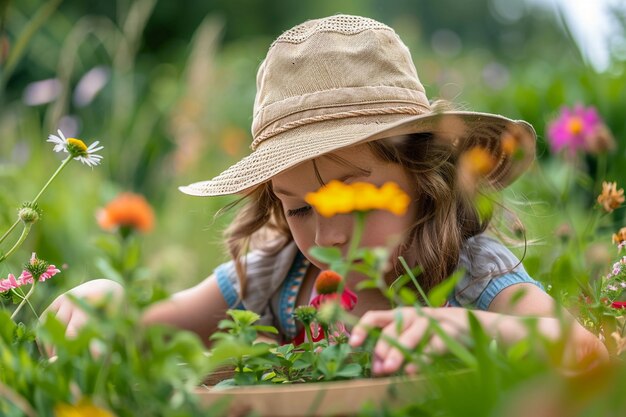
344,80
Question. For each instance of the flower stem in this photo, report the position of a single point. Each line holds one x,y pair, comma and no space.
59,169
17,400
309,335
359,225
24,300
18,243
14,225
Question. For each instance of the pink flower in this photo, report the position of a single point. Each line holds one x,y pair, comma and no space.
27,277
9,283
573,129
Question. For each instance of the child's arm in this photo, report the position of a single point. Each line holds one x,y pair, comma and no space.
198,309
504,322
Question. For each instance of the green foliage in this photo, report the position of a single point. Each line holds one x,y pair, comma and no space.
175,108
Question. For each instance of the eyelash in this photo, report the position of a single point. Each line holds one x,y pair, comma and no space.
299,212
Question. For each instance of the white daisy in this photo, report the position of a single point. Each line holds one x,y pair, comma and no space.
77,148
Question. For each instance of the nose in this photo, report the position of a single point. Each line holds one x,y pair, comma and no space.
333,231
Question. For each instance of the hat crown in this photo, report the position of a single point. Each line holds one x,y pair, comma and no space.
336,82
330,67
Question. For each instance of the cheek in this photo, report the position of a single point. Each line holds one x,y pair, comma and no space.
303,234
383,228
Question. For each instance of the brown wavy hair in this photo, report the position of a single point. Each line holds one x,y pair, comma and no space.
446,214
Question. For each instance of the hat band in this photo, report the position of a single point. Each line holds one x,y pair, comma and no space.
409,110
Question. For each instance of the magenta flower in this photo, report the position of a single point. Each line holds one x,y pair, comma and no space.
572,130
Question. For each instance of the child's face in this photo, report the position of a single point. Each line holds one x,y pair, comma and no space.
311,229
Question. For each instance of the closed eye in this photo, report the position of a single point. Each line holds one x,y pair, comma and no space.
299,212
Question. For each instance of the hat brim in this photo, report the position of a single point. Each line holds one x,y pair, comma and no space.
464,129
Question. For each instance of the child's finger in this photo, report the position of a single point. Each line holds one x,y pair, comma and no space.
436,345
402,320
370,320
409,338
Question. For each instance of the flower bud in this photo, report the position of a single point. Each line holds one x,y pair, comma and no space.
29,213
306,314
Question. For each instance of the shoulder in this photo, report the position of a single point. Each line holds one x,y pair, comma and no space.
265,272
489,267
484,256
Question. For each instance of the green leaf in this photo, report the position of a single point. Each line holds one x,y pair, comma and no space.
131,256
412,274
243,317
407,297
439,294
327,255
351,370
108,244
108,270
266,329
7,326
454,346
484,206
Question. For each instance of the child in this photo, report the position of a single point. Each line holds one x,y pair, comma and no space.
339,99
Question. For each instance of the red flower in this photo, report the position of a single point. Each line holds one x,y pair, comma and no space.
348,299
327,284
618,304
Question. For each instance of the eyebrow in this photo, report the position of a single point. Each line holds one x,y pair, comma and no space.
343,178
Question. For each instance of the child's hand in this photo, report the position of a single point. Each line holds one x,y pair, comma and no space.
72,315
407,326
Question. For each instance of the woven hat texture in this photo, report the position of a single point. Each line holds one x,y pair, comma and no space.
343,80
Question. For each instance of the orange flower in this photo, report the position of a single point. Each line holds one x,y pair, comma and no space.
327,286
127,210
610,198
620,236
327,282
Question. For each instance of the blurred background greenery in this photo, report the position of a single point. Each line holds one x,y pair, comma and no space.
167,87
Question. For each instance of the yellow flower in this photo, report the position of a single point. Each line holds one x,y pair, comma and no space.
339,198
84,408
477,161
509,144
610,198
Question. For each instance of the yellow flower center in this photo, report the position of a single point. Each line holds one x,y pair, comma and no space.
575,125
76,147
79,144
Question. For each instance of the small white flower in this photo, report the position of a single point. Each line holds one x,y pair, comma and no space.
77,148
60,143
